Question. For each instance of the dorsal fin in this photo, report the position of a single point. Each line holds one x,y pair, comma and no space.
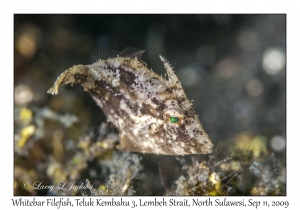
130,52
173,80
106,53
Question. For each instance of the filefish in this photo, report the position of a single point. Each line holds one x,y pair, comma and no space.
151,113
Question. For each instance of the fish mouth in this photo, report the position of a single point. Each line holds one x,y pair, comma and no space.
210,147
206,146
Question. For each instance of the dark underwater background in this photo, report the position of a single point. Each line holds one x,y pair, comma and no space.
233,67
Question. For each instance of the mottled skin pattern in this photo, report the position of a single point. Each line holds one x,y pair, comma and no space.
139,103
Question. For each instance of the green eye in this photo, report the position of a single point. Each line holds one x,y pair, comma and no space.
174,119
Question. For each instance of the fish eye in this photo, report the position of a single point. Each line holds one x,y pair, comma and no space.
173,117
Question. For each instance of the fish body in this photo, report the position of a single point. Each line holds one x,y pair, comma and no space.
151,113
